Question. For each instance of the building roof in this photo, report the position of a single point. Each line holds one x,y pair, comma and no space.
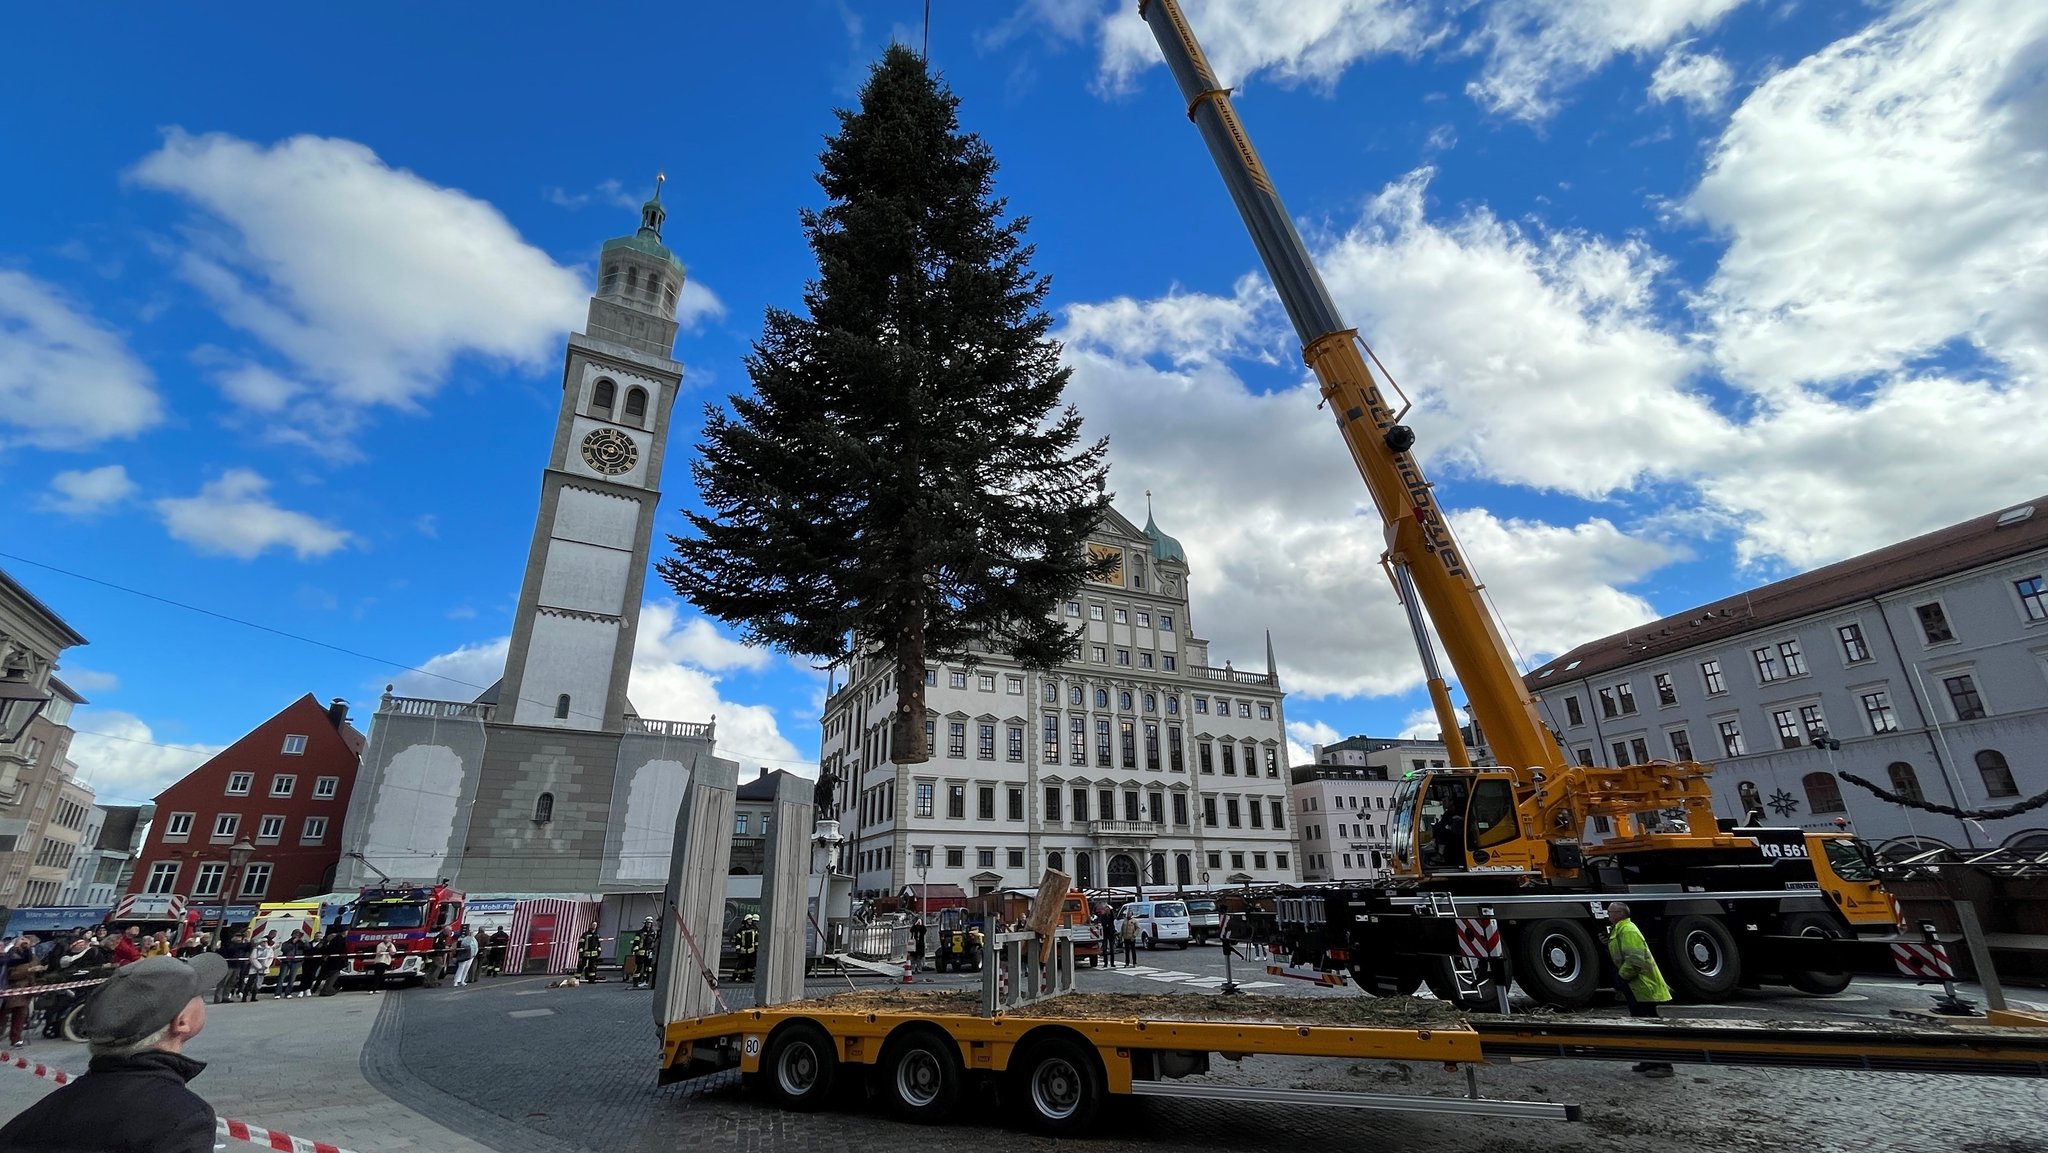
1163,547
762,788
1958,548
64,632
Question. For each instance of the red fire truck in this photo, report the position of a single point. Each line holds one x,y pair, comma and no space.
408,916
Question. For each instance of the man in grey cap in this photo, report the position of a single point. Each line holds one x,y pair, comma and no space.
133,1099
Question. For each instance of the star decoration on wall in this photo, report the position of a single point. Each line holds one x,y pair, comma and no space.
1784,803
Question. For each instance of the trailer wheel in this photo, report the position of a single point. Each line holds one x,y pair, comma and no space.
800,1068
1813,981
921,1076
1441,975
1702,960
1056,1085
1557,963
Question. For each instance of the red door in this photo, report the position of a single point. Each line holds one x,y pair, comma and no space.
540,942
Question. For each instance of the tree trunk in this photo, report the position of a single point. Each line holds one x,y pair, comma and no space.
907,742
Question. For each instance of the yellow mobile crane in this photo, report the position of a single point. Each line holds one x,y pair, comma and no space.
1502,845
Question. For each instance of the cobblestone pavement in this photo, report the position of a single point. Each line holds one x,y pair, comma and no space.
528,1068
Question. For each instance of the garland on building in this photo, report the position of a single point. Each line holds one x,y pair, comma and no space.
2012,810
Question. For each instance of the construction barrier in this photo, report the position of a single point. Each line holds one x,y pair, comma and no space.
1479,937
1929,961
238,1130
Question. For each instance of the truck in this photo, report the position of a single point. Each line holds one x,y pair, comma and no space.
1493,877
408,916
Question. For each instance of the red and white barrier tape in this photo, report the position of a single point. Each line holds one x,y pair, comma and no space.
39,990
239,1130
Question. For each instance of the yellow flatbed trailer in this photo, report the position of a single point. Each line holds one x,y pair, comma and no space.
1057,1060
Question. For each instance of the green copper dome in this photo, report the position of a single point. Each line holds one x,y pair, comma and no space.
1163,547
648,239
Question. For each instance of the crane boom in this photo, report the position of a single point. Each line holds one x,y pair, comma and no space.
1418,539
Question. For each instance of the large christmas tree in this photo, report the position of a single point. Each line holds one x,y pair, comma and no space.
904,482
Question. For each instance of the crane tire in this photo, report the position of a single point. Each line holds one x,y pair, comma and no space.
1700,959
1557,963
1056,1086
800,1068
1813,982
920,1075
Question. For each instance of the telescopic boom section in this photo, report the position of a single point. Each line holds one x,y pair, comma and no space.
1380,444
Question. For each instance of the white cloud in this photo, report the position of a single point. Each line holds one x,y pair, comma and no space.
65,381
1535,49
85,492
696,304
234,515
88,680
1304,736
1420,725
675,666
606,192
257,388
122,759
1700,81
1295,41
369,281
1885,198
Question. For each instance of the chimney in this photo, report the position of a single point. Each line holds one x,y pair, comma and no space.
763,774
337,713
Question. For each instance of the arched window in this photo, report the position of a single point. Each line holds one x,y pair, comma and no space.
1159,868
562,707
1823,794
654,286
1752,801
636,404
2031,843
1904,781
1183,870
632,279
601,396
1056,860
1084,870
610,283
544,808
1997,774
1123,871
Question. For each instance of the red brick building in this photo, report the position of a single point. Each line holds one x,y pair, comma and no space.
284,788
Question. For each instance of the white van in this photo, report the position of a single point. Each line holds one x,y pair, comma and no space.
1159,922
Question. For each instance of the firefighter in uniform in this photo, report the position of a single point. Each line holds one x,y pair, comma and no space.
746,944
588,948
644,947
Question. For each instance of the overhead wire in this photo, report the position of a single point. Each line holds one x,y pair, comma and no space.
342,649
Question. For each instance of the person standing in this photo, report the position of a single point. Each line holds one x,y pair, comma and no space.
501,942
1105,922
133,1097
381,959
746,945
158,945
291,957
1127,932
465,955
589,948
1641,982
333,954
917,932
126,950
643,953
18,968
236,954
262,955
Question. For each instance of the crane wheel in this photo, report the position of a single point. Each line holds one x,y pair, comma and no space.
1056,1086
800,1068
1402,981
1811,981
1700,960
1557,963
920,1075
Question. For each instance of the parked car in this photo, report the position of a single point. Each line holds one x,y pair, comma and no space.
1205,920
1159,922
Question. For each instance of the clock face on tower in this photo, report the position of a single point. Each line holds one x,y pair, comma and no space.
610,451
1115,576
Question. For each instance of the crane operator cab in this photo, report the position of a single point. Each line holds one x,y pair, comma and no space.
1452,821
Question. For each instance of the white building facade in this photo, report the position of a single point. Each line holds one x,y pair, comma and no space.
1921,667
1137,764
1343,803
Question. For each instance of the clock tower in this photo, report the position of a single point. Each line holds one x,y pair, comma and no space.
579,603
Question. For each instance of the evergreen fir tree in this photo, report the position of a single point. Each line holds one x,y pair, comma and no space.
904,482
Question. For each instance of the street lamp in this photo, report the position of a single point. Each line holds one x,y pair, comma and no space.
19,704
238,857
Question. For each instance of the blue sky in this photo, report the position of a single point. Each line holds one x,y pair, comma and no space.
1689,294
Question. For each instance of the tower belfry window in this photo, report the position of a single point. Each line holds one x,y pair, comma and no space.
636,404
544,808
562,707
632,279
601,396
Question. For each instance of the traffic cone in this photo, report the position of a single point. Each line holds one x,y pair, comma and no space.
907,978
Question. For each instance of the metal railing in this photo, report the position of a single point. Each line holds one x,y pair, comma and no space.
1125,828
1017,971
